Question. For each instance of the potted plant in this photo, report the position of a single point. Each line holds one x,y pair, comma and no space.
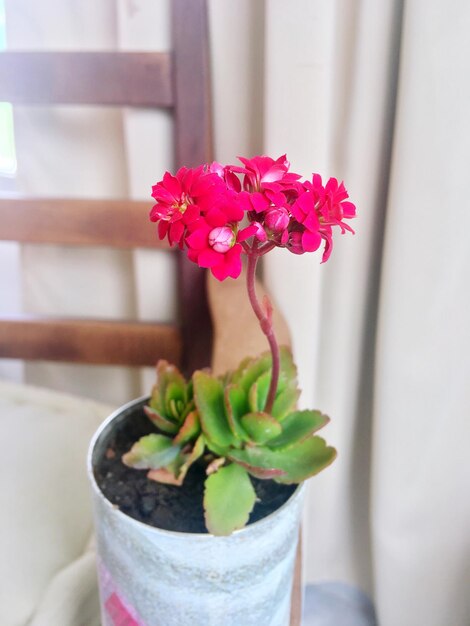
198,489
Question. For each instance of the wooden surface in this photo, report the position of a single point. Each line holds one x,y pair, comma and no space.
193,134
112,223
179,80
104,78
193,146
89,341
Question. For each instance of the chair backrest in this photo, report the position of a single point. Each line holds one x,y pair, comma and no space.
178,81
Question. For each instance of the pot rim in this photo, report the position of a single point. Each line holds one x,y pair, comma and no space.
171,533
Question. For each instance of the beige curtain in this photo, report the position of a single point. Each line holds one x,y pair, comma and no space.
336,83
375,93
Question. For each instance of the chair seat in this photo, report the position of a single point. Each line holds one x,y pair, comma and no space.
47,573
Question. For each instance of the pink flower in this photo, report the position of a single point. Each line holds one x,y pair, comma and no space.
214,239
254,202
294,243
225,173
317,210
181,198
330,202
203,207
304,212
261,171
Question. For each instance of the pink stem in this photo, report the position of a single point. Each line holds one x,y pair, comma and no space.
266,326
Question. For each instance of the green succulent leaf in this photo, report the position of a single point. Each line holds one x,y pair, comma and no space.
257,373
298,462
229,498
167,374
209,397
261,427
258,393
288,367
285,402
194,455
297,426
189,430
161,422
250,370
156,403
169,475
151,452
264,473
242,366
175,472
171,397
175,399
236,404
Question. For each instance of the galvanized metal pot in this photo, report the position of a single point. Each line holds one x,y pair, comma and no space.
153,577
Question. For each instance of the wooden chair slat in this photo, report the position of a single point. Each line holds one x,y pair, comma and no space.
193,146
193,129
66,221
102,78
99,342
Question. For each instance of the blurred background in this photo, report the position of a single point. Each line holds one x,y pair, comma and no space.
374,93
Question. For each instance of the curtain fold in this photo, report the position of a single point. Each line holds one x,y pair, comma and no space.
387,351
420,472
339,79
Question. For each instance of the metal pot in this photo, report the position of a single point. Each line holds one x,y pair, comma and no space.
153,577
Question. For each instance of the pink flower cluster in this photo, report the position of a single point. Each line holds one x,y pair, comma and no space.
202,210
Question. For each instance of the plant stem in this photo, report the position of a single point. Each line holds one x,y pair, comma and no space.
266,326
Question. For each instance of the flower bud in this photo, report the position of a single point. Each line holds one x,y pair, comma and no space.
276,219
221,239
295,243
260,233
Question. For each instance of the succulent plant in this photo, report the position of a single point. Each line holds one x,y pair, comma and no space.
244,422
225,422
172,410
171,406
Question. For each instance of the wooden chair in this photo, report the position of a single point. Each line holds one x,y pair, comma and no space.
178,81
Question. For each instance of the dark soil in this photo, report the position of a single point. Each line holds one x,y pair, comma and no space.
167,506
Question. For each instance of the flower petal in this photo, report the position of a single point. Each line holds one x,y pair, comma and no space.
216,217
349,209
173,185
249,231
198,238
191,214
209,258
311,241
176,232
259,202
162,229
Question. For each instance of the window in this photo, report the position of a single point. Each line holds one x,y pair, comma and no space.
7,139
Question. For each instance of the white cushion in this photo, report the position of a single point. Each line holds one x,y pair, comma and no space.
45,500
71,598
